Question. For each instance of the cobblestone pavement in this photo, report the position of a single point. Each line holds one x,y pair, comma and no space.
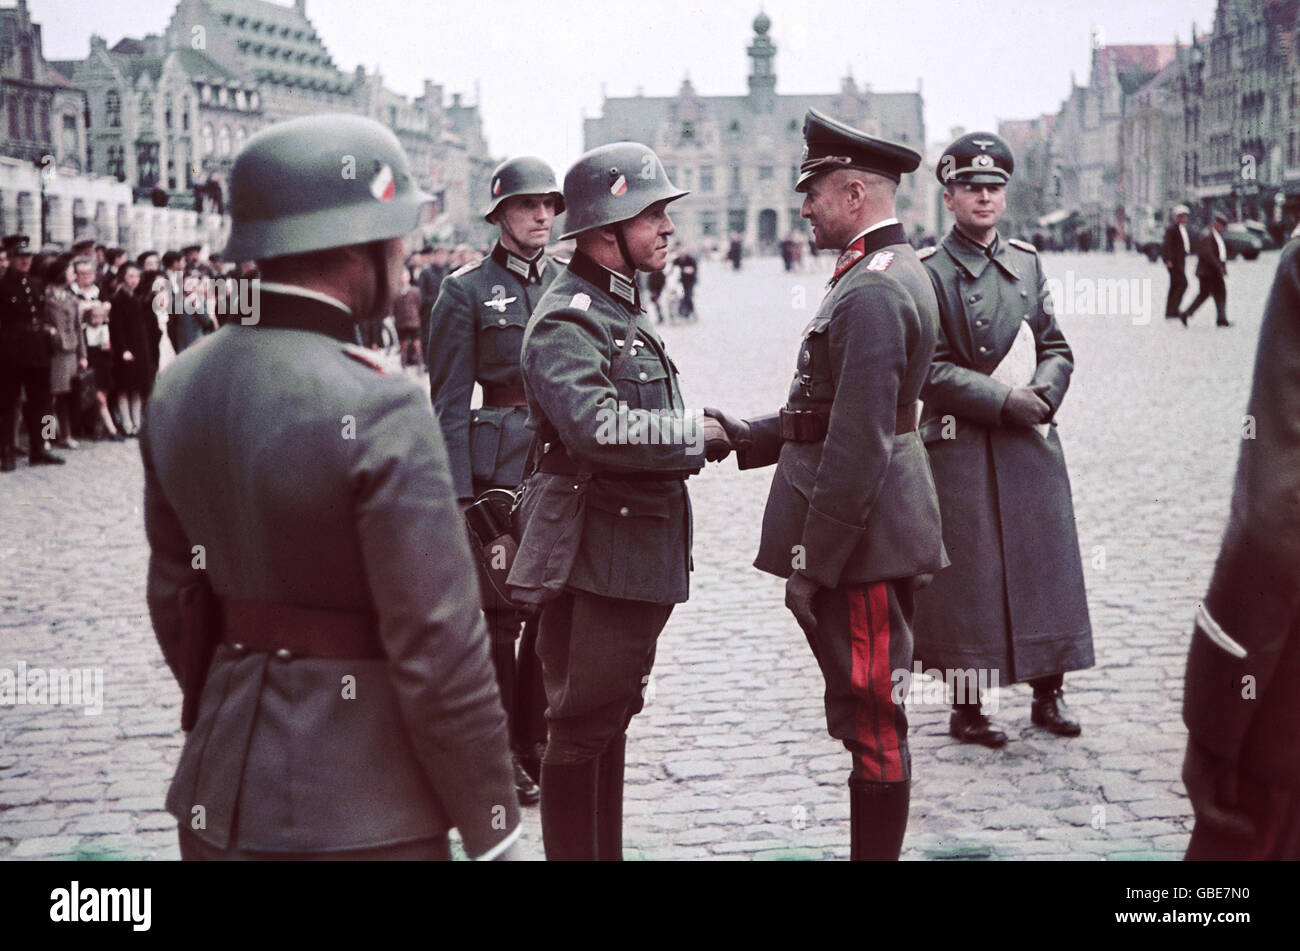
731,758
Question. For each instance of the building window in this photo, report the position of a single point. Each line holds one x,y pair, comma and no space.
223,96
146,163
69,134
15,129
736,221
146,106
29,65
209,139
205,93
706,179
223,141
29,118
185,114
240,101
45,123
116,165
113,109
688,131
254,100
240,135
735,180
764,173
709,224
167,112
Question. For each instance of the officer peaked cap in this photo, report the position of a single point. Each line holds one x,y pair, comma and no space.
831,144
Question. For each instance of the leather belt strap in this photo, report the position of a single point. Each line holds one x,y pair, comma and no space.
810,425
310,632
557,462
504,394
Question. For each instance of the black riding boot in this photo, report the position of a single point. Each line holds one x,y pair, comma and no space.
569,801
878,819
609,811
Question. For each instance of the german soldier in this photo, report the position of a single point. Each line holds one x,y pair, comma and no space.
28,339
300,512
1013,601
1241,705
616,446
852,520
476,330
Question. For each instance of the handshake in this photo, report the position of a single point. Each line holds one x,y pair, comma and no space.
722,434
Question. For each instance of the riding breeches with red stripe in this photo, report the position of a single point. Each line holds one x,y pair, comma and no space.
863,636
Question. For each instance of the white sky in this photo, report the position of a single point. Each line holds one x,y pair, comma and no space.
539,65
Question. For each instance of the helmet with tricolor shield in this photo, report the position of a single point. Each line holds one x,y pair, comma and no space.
523,175
321,182
614,183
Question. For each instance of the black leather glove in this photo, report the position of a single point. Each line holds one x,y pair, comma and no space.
737,429
717,445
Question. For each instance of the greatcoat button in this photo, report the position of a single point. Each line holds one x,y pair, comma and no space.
642,375
284,653
237,648
624,512
1024,293
501,321
971,299
984,349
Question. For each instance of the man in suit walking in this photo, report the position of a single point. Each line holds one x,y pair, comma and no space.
313,589
1175,250
1212,272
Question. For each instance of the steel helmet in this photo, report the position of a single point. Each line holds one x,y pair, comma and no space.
522,176
614,183
320,182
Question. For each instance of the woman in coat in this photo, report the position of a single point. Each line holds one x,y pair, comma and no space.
132,368
64,311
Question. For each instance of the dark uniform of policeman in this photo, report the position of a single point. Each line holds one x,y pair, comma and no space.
1241,703
300,512
1014,600
475,333
852,519
27,340
593,370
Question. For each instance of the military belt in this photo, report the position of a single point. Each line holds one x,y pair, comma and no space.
810,425
504,394
290,630
557,462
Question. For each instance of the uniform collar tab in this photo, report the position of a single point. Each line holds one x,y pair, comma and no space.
526,269
622,289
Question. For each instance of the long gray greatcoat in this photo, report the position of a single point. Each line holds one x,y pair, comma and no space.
1013,599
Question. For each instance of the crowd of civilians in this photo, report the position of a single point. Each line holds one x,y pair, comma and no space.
120,320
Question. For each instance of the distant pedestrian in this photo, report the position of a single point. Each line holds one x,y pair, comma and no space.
132,358
735,252
1175,251
64,311
1212,272
406,316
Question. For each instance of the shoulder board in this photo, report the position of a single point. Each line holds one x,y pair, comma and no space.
1022,245
924,253
580,302
468,267
364,356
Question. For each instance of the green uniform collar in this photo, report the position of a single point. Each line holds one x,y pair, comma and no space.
622,290
974,257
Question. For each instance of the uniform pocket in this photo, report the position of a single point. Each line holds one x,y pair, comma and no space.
643,384
501,337
624,525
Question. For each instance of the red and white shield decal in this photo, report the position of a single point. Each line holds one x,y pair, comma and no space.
382,186
619,188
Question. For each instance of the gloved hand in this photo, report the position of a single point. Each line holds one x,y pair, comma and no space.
1025,405
799,591
716,444
737,429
